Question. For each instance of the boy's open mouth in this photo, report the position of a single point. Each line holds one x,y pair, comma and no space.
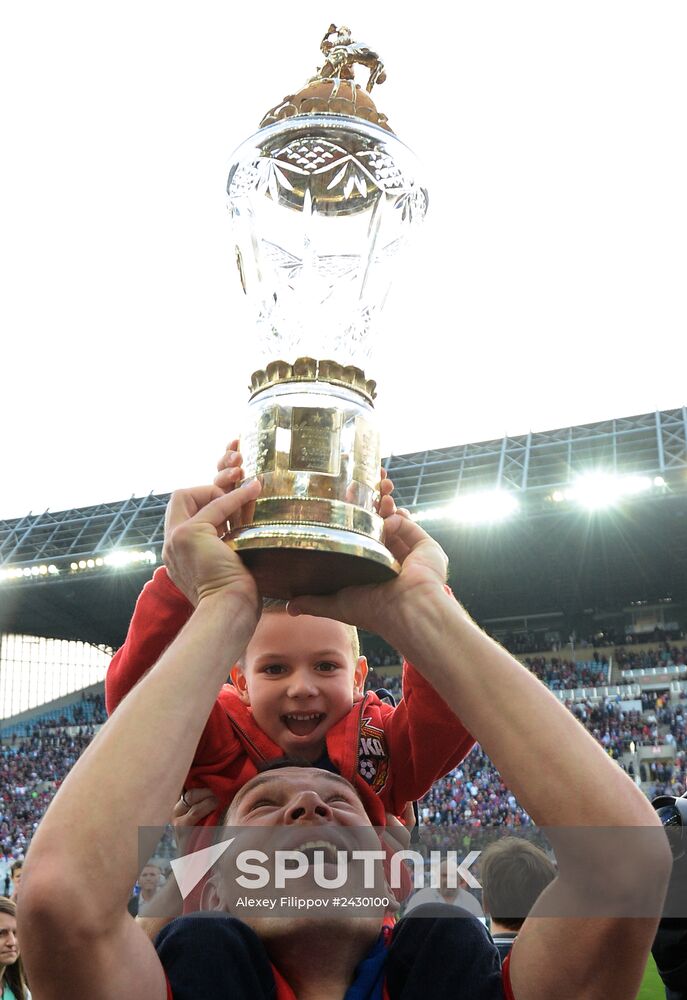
302,723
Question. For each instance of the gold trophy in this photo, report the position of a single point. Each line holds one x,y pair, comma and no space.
322,199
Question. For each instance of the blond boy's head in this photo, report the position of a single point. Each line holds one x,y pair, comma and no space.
300,676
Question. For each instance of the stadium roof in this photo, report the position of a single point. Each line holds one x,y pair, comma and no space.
76,573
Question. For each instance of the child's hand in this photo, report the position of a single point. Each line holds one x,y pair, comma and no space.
385,505
195,804
397,832
230,468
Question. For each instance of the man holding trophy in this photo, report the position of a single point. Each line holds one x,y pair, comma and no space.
322,199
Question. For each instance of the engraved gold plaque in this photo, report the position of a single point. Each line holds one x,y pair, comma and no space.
315,440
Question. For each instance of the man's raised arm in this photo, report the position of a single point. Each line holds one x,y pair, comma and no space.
558,772
78,938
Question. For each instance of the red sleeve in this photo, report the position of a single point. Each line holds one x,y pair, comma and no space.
426,741
170,995
505,979
161,611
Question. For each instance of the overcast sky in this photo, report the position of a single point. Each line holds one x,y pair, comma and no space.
548,287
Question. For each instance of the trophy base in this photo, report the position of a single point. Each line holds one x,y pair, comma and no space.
288,560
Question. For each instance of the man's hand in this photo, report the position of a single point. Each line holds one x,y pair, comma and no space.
198,561
386,608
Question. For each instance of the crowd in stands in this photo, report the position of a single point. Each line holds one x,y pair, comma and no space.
555,673
381,656
527,641
666,656
473,795
558,673
88,711
614,728
31,770
668,779
561,674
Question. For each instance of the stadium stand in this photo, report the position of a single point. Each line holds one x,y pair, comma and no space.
594,605
89,710
35,757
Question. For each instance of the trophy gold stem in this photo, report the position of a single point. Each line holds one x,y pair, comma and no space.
314,447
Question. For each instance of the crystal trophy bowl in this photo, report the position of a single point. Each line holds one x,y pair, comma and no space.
321,207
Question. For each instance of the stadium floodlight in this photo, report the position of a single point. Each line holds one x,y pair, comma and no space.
117,559
30,572
487,507
10,573
474,508
126,557
597,490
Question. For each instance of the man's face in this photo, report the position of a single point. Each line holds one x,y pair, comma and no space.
295,809
304,796
16,878
444,876
300,678
297,806
303,809
149,878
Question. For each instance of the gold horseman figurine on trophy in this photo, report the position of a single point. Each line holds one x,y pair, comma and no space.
323,199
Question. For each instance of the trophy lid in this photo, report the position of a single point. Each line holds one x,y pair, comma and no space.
333,89
323,199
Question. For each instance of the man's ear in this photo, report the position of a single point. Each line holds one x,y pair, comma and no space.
238,679
210,897
359,677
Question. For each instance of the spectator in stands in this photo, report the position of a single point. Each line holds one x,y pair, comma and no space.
12,980
452,890
142,754
15,872
149,882
513,874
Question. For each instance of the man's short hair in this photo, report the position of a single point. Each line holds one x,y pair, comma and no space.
513,874
17,866
154,863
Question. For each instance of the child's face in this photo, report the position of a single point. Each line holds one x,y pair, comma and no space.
300,678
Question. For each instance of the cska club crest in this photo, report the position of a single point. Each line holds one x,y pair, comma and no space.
373,757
